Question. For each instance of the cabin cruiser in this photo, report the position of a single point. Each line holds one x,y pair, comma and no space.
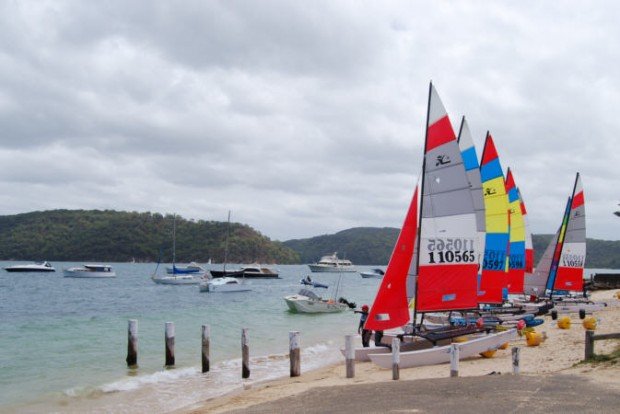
331,263
253,271
90,271
33,267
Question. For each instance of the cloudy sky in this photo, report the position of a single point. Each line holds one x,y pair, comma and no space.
303,118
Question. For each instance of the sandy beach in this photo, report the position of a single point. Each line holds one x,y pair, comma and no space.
559,354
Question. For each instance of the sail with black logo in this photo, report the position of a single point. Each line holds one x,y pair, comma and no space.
493,278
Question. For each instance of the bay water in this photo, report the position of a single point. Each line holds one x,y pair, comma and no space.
63,341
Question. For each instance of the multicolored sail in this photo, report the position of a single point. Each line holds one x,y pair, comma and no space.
569,275
493,278
557,251
516,255
447,259
536,282
529,246
391,306
470,160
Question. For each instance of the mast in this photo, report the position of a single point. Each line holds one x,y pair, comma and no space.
417,258
558,245
226,243
174,240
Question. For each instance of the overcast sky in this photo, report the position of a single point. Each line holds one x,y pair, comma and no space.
302,117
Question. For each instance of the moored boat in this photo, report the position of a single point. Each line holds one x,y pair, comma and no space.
331,263
190,268
306,301
224,284
373,274
90,271
32,267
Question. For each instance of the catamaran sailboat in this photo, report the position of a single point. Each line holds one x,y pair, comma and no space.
434,264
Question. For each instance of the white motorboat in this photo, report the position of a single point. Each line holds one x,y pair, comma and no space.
178,279
306,301
373,274
332,263
32,267
90,271
224,284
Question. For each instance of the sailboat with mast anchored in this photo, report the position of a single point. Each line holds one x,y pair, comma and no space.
436,252
176,277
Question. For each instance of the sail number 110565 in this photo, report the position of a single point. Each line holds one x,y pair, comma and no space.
451,250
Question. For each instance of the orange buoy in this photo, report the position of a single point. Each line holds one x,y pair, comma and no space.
488,354
564,322
533,338
504,345
589,323
461,339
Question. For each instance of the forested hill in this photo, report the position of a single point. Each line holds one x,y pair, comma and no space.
94,235
372,245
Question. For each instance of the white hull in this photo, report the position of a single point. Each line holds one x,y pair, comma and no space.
441,354
316,268
177,280
411,343
575,308
371,275
302,304
89,272
224,285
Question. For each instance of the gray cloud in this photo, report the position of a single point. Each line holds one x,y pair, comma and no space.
302,118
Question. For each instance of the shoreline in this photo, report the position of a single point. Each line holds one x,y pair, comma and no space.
559,354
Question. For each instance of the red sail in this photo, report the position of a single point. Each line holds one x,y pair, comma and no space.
390,308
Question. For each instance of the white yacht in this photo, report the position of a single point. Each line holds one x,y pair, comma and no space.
90,271
178,279
331,263
33,267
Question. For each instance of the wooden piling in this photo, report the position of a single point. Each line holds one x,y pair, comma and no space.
455,352
245,354
169,337
132,343
589,344
349,350
516,353
206,343
395,358
295,354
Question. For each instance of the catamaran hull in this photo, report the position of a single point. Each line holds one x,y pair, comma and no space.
441,354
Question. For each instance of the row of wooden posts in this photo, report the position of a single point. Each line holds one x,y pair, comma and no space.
132,348
295,353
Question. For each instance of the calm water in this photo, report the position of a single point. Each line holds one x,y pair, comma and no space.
63,341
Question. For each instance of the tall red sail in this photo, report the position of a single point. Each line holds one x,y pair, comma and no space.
391,308
448,248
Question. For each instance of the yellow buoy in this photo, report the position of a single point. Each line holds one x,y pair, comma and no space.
501,328
618,294
504,345
564,322
589,323
533,338
488,354
461,339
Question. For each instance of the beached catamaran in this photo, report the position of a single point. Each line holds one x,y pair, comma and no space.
494,277
445,231
516,250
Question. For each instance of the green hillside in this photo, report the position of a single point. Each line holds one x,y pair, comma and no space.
94,235
373,246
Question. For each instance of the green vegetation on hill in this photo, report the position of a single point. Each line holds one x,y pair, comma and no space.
114,236
94,235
